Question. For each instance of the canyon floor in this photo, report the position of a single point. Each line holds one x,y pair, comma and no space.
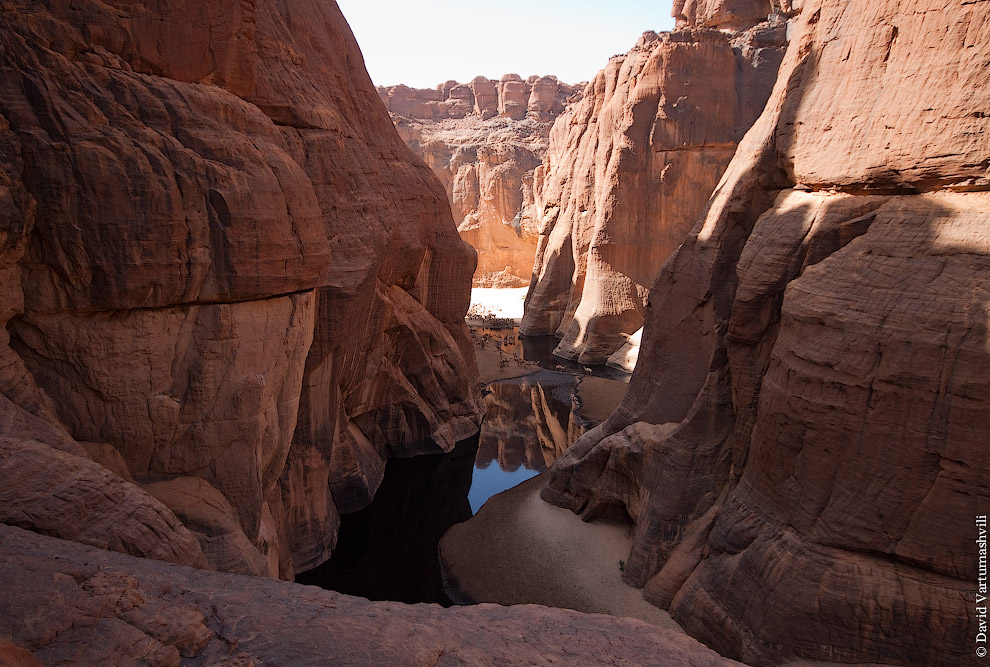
521,550
503,304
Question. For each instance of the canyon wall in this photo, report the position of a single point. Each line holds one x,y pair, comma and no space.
229,290
632,165
803,443
484,141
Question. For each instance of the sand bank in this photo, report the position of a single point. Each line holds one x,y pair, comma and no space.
521,550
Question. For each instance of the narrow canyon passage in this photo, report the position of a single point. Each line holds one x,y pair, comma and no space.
389,550
311,350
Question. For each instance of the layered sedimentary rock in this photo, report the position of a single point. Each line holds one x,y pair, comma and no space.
540,98
89,607
803,444
223,278
632,165
484,140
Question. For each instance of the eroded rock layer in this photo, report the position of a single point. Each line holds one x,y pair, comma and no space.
223,278
484,140
803,444
632,165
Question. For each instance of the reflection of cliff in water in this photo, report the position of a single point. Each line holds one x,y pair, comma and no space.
529,421
388,551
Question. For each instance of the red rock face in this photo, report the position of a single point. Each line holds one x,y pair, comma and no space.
630,168
803,441
222,270
485,140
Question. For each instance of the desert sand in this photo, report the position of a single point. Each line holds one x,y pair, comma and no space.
521,550
502,304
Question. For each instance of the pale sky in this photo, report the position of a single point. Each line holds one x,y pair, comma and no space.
425,42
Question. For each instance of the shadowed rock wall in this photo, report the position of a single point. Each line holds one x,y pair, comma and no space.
224,278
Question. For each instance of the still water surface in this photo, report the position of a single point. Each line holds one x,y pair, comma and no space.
531,420
388,551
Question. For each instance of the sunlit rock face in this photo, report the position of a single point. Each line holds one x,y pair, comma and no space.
224,278
632,165
484,140
803,443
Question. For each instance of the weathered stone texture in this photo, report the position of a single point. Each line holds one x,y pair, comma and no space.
484,141
73,605
803,444
629,169
222,271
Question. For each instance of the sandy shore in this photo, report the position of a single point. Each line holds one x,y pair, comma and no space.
500,302
599,397
490,368
521,550
505,304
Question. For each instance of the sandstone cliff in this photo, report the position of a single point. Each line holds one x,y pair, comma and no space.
484,140
803,444
632,165
223,278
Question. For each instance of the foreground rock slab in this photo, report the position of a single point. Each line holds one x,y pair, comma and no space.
75,605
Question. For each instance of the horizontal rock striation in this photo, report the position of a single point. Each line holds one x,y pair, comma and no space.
223,278
803,444
484,140
86,606
632,165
